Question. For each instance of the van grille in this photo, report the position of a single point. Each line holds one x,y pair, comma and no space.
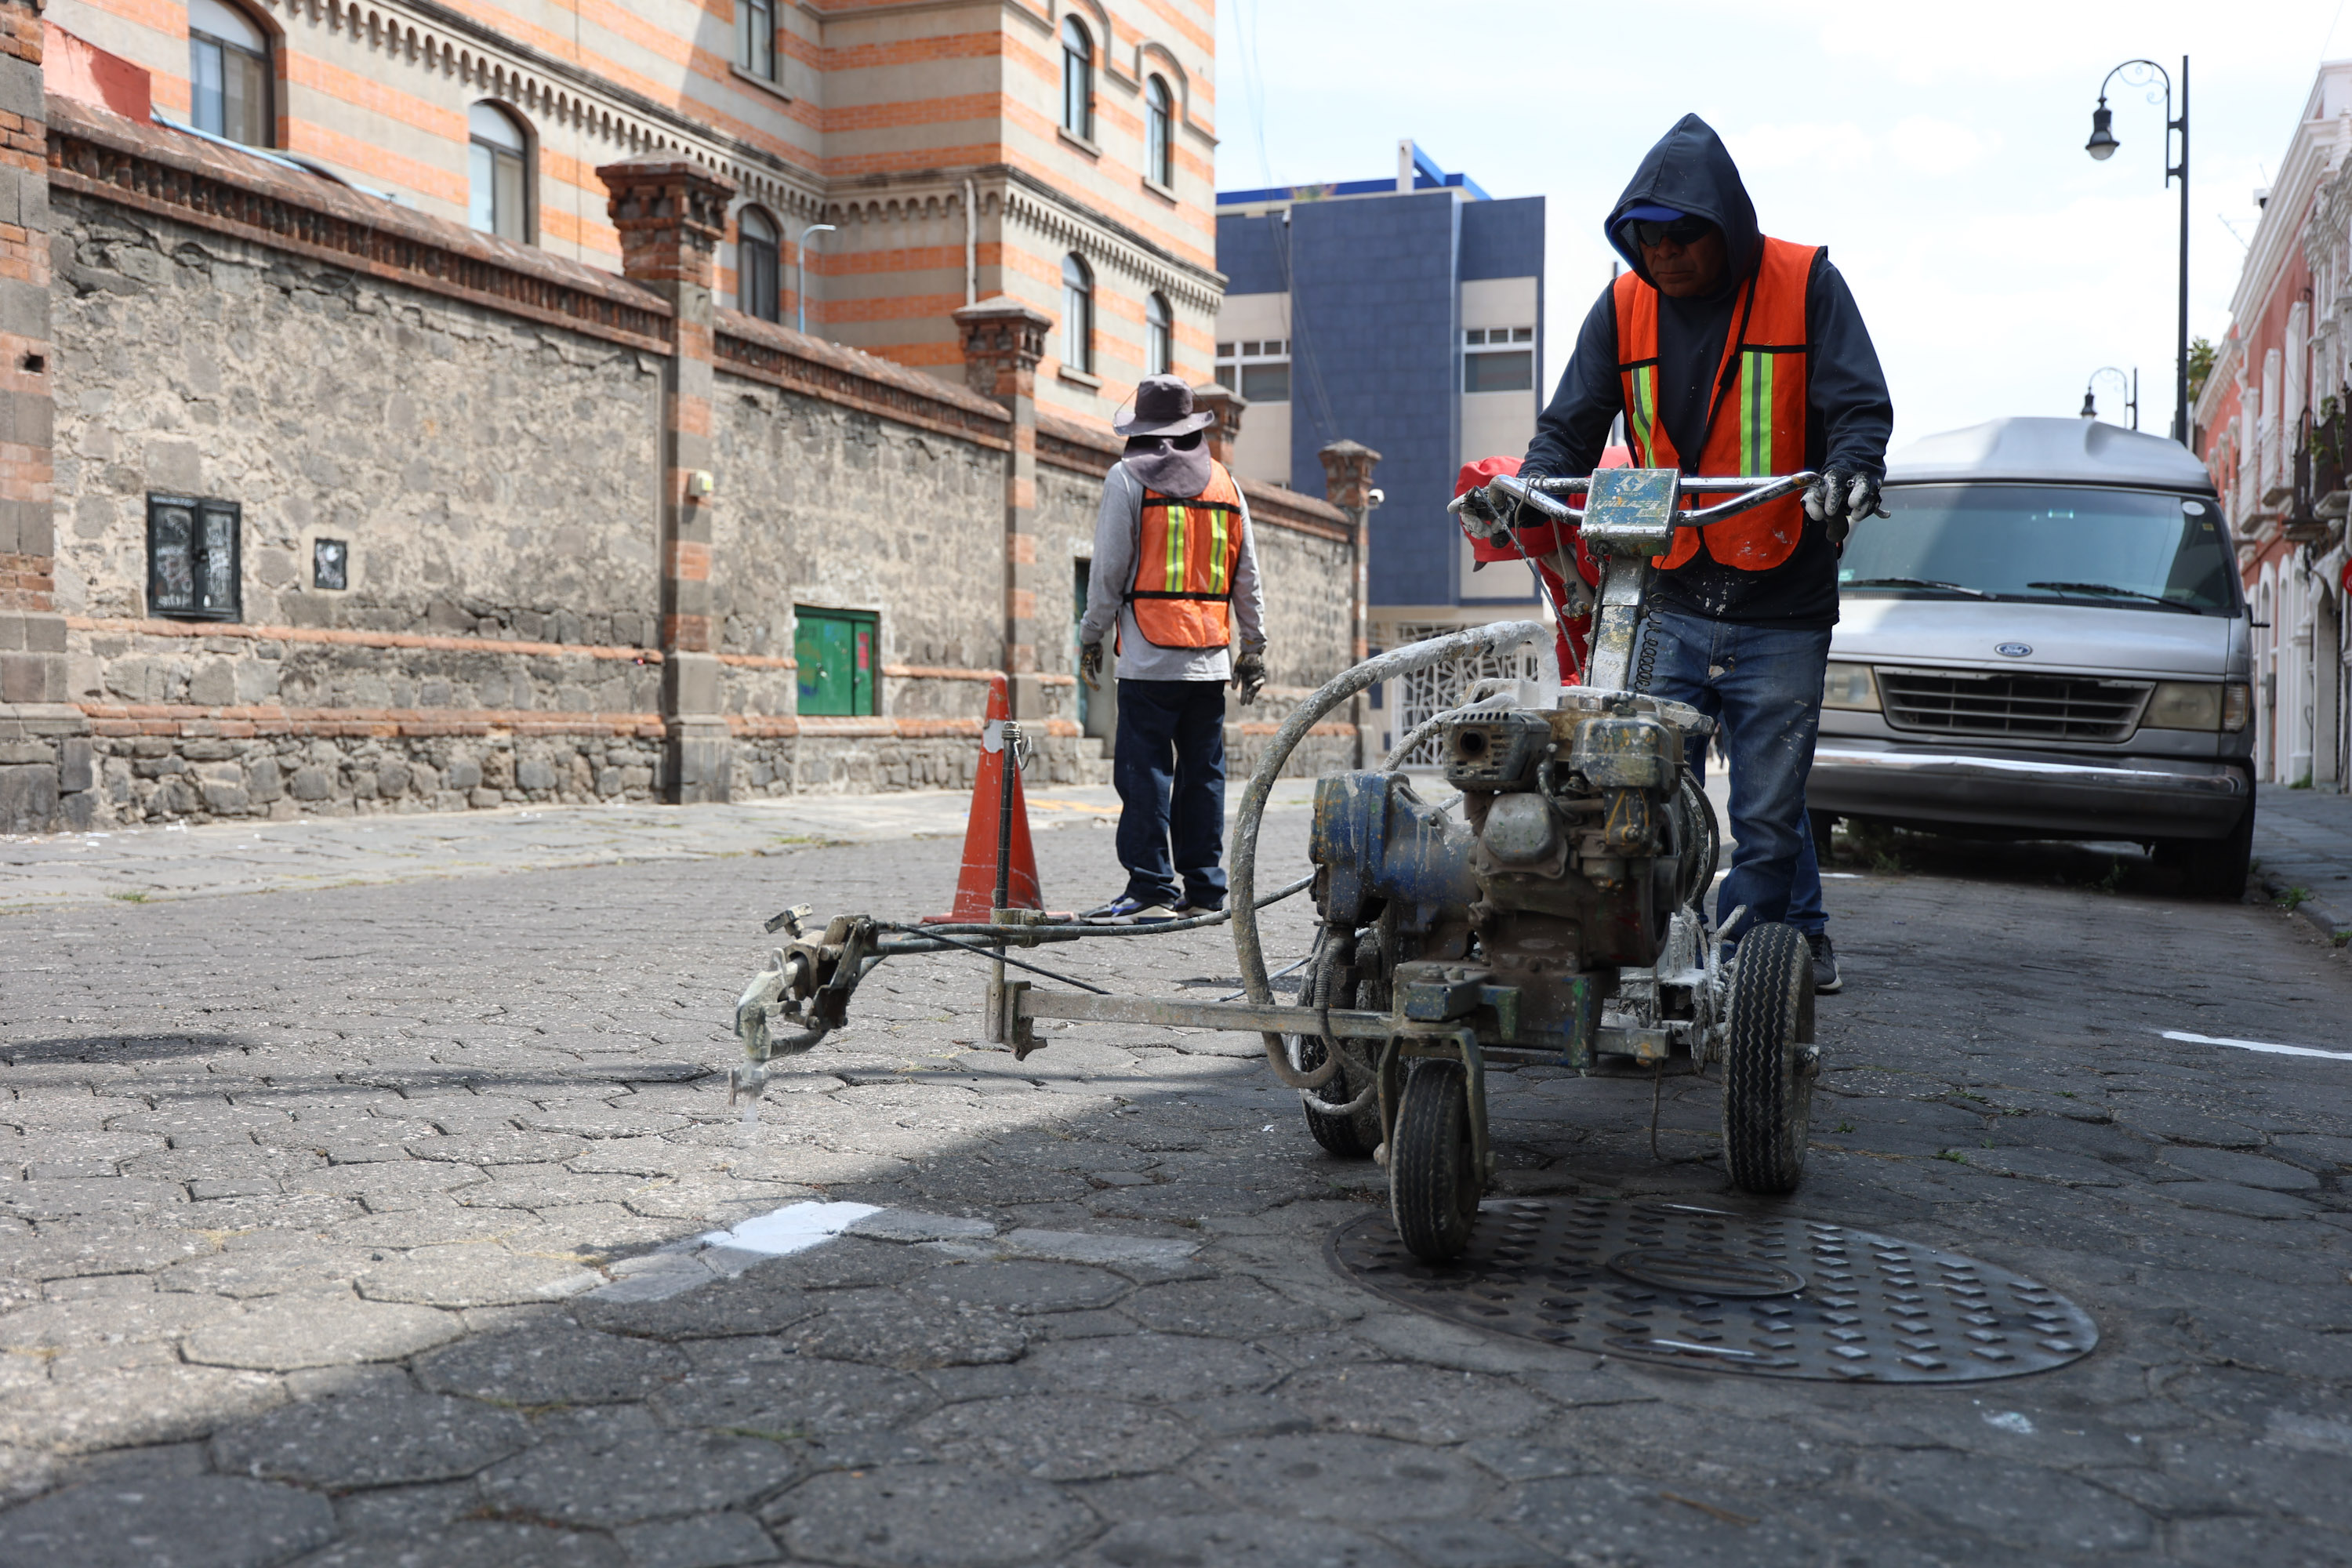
2025,707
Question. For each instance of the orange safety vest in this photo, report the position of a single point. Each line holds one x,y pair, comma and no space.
1756,423
1186,551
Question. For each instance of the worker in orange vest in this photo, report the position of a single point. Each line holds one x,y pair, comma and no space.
1728,353
1175,578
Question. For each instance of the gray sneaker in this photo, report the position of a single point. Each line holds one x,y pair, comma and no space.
1826,980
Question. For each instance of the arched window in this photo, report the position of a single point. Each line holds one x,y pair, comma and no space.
755,38
228,73
1159,132
1078,79
759,263
499,174
1077,314
1160,331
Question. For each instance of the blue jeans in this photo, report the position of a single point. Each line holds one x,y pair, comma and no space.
1764,685
1168,765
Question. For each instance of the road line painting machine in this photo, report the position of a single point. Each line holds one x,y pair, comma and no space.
1559,917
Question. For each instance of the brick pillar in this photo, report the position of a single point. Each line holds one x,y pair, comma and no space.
45,773
1227,405
1347,485
671,213
1003,342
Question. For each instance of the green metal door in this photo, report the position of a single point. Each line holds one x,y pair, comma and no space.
835,650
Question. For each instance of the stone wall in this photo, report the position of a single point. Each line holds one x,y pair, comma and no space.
486,429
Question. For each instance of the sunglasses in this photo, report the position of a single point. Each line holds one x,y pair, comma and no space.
1682,231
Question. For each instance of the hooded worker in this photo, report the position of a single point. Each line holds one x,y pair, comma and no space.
1175,579
1728,353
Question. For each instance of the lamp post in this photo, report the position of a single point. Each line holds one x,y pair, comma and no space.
2090,403
2102,146
800,293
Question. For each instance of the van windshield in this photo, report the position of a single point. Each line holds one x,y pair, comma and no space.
2126,549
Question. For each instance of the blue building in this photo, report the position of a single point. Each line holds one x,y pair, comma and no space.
1406,313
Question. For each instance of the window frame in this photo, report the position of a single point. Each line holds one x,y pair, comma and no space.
1077,314
199,605
748,250
752,44
526,162
1078,78
1236,360
1159,335
864,682
1159,132
265,108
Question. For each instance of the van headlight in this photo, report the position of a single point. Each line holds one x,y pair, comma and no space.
1850,686
2237,705
2186,705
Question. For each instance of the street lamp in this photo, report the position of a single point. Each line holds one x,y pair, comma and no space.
2090,403
801,292
2102,146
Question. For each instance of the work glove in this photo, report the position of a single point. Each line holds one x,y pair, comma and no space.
1090,662
1249,675
1840,499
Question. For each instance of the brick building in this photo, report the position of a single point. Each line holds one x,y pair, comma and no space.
2271,424
360,505
1056,151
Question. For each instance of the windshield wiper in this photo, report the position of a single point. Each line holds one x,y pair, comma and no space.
1915,582
2118,593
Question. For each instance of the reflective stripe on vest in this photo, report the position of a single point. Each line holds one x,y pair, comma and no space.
1186,553
1756,416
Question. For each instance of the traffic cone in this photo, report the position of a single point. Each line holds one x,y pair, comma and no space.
1000,813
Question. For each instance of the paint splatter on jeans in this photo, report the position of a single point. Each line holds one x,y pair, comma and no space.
1764,685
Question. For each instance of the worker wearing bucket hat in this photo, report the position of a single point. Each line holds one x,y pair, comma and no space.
1174,580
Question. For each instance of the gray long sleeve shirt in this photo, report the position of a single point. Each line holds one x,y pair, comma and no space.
1117,530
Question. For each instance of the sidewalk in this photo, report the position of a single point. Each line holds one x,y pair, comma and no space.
2303,840
144,864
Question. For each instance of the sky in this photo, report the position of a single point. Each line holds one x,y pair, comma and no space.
1935,150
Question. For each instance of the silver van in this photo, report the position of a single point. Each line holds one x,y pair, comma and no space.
2046,639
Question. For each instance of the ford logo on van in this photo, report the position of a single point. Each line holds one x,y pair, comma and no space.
2013,649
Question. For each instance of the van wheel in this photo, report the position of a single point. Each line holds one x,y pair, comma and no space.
2214,867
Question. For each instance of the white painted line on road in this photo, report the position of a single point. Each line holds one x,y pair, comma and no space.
795,1227
2252,1045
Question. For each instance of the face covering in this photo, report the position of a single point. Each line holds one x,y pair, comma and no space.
1178,466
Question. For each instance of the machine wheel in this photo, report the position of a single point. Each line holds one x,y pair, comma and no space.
1768,1061
1433,1184
2215,867
1357,1134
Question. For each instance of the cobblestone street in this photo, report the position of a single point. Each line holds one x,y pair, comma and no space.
359,1226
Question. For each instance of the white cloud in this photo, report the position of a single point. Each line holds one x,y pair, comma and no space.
1936,146
1810,144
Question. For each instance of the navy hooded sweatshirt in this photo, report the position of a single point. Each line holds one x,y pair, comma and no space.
1690,171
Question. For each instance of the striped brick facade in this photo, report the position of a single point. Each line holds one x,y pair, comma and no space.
927,131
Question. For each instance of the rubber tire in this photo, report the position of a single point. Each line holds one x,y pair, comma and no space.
1768,1068
1822,823
1434,1188
1352,1136
2217,868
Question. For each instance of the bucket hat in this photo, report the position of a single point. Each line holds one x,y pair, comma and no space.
1162,405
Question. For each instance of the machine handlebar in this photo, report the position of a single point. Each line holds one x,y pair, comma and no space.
1745,492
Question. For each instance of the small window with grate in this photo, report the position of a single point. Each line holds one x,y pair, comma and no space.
839,652
194,559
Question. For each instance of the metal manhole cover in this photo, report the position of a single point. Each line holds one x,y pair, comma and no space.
1712,1273
1683,1284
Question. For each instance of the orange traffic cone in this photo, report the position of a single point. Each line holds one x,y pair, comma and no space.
998,831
